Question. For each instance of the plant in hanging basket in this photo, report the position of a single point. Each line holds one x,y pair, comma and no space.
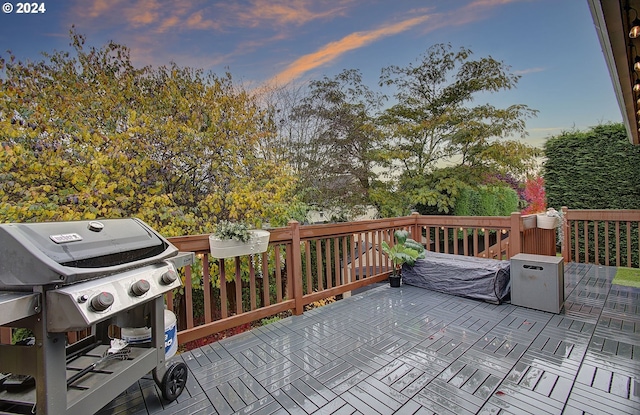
549,220
404,251
233,239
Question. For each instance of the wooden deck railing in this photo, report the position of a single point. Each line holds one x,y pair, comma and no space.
305,264
602,237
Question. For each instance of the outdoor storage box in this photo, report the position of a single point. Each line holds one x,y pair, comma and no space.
537,281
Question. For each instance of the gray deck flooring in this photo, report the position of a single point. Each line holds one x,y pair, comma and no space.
412,351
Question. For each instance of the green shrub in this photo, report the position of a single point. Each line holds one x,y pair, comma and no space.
486,201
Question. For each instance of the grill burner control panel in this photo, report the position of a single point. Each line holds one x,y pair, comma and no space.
81,305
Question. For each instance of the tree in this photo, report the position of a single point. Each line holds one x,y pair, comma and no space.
535,196
433,121
339,159
88,135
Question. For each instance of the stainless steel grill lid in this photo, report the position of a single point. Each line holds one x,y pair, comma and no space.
47,253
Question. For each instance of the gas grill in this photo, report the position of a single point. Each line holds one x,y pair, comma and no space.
98,276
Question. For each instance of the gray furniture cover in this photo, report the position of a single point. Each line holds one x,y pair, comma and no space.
479,278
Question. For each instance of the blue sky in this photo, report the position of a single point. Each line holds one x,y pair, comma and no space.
552,44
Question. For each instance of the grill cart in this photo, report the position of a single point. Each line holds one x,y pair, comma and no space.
57,277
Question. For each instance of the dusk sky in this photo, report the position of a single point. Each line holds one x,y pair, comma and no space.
551,43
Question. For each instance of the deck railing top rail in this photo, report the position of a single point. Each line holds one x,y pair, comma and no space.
602,214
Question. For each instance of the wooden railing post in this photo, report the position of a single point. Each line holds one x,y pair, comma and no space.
296,266
565,245
515,235
415,228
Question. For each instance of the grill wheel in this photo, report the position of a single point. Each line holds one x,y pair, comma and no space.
174,381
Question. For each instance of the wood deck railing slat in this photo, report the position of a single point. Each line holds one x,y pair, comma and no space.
319,264
585,226
354,277
629,244
345,264
188,296
577,241
617,244
475,242
327,258
224,310
278,274
307,256
206,286
596,239
336,260
266,284
465,241
606,242
252,285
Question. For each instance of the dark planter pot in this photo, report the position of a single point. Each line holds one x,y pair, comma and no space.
394,280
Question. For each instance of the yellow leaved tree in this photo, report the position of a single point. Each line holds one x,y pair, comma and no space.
87,135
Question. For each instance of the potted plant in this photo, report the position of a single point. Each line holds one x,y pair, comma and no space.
405,251
549,220
232,239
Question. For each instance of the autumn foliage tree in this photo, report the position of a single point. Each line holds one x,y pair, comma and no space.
86,135
535,196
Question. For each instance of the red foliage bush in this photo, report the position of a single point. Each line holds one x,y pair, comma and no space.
535,195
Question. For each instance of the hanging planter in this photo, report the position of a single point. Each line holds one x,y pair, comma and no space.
529,221
548,220
230,248
234,239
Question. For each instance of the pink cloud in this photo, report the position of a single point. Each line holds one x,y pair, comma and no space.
464,15
281,13
333,50
199,22
143,12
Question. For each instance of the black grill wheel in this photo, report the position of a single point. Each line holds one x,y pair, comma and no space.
174,381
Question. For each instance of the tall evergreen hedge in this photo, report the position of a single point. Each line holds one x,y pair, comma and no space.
596,169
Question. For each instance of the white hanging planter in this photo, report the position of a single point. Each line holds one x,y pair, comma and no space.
529,221
547,222
230,248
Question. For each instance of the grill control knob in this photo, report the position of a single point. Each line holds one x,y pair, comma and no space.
169,277
140,287
102,301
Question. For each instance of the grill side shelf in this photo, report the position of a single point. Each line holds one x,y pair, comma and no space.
15,306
